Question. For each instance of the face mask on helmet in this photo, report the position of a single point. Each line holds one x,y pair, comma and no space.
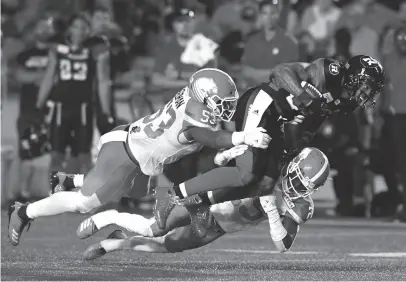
295,180
294,184
223,108
364,90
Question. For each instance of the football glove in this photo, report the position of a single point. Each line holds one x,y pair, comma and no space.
224,156
257,138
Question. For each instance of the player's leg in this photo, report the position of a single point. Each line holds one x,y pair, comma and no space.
67,182
220,178
135,223
83,132
106,182
131,222
178,240
59,137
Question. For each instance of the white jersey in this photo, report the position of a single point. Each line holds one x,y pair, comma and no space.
242,214
158,139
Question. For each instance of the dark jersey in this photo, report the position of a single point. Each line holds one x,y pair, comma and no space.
327,76
76,75
266,162
33,59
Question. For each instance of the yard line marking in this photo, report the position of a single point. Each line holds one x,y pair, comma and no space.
384,255
264,252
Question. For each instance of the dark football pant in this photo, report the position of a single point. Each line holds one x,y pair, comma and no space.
179,235
72,126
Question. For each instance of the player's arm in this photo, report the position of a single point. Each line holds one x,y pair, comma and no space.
26,75
278,232
289,77
199,124
48,79
292,228
225,139
292,219
300,135
104,81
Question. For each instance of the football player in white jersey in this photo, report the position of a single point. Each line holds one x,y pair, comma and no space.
286,208
130,154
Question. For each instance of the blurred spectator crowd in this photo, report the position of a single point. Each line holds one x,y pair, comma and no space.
148,40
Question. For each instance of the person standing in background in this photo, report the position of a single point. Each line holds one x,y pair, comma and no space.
70,83
393,52
320,20
269,46
234,15
32,63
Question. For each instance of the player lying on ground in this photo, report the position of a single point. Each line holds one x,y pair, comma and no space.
130,154
286,208
338,89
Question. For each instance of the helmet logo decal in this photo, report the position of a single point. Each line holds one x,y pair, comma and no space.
334,68
370,62
206,85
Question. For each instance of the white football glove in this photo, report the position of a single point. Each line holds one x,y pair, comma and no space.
297,120
257,138
224,156
276,229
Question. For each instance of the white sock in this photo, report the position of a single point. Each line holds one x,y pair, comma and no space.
57,203
78,180
105,218
136,243
131,222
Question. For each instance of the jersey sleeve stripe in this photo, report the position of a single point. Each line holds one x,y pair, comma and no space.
321,171
194,122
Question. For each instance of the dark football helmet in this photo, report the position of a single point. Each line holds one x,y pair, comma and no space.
34,141
364,79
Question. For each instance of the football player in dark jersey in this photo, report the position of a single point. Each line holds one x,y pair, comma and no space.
69,83
334,89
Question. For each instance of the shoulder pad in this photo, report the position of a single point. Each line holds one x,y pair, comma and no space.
199,115
301,210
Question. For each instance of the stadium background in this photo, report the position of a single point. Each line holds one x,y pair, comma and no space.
311,29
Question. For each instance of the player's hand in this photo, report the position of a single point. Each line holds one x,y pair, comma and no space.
257,138
223,157
289,76
297,120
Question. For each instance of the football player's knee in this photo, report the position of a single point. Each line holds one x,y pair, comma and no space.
85,204
248,177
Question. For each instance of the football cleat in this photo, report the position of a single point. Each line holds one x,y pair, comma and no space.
86,229
165,201
96,250
200,217
16,223
56,180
